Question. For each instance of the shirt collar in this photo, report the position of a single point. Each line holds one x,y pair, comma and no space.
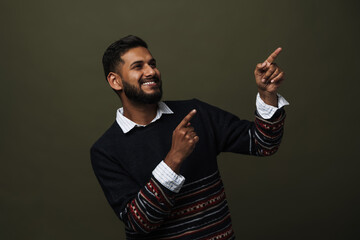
127,125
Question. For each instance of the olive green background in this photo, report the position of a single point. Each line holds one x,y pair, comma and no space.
55,103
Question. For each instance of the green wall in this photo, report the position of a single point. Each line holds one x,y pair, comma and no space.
55,103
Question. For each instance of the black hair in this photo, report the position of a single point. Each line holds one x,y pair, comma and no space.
112,55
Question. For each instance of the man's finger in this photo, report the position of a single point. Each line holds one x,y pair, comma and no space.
269,72
274,75
259,67
186,120
272,56
278,78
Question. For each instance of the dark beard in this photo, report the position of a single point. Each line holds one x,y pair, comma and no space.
139,96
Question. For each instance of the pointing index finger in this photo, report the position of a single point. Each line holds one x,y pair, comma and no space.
272,56
187,119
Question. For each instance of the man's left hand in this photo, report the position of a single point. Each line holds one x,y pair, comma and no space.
268,78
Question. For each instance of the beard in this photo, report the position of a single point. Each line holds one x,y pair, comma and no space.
137,95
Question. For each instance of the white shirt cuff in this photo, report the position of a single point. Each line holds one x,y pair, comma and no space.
267,111
168,178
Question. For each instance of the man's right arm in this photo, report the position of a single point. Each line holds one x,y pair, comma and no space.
184,140
144,210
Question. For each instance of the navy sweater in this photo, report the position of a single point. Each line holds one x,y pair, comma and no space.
123,164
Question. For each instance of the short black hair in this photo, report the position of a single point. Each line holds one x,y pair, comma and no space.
112,55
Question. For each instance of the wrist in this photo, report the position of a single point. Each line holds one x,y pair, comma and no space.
173,162
270,98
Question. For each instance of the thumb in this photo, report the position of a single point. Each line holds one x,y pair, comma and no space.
260,67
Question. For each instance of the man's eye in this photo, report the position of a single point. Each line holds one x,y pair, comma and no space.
137,66
153,65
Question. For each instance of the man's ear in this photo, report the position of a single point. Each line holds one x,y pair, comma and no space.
114,81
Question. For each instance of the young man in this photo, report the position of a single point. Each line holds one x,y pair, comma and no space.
157,163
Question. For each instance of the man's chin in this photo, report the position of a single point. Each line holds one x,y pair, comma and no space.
148,98
151,89
154,99
144,94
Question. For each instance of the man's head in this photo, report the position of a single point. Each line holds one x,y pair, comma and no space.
131,71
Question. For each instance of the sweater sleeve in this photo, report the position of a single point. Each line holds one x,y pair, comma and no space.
267,134
141,208
231,134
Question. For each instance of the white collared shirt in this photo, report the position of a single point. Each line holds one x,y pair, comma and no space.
163,173
126,124
267,111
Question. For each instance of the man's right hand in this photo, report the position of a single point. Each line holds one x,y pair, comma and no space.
183,143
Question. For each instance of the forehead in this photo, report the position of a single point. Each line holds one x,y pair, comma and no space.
136,54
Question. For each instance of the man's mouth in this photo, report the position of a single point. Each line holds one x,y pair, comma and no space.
149,82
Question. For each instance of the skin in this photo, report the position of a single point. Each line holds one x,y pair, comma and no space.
268,77
184,140
138,65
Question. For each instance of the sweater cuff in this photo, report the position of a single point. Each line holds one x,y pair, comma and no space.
168,178
267,111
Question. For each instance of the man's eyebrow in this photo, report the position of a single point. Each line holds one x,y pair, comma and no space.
140,61
136,62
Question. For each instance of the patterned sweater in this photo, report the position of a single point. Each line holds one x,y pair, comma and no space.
123,164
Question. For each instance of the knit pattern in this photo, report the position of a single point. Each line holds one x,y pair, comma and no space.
200,211
123,164
268,134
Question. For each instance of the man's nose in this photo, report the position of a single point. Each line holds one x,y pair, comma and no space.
149,71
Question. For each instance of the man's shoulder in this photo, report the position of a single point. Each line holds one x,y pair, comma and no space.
189,103
107,139
180,102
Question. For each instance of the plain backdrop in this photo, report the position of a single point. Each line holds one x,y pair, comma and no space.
55,103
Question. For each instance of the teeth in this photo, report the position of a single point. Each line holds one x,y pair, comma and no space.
147,83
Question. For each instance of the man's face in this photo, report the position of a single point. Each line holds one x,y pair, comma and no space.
140,78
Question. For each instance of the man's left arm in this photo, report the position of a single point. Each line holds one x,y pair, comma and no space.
261,137
268,77
270,114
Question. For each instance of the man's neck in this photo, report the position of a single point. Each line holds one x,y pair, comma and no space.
141,114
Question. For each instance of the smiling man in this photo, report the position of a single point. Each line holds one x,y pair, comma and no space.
157,162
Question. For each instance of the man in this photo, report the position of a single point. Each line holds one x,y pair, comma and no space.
157,163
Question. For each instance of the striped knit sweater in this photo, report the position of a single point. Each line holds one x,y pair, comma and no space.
123,164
